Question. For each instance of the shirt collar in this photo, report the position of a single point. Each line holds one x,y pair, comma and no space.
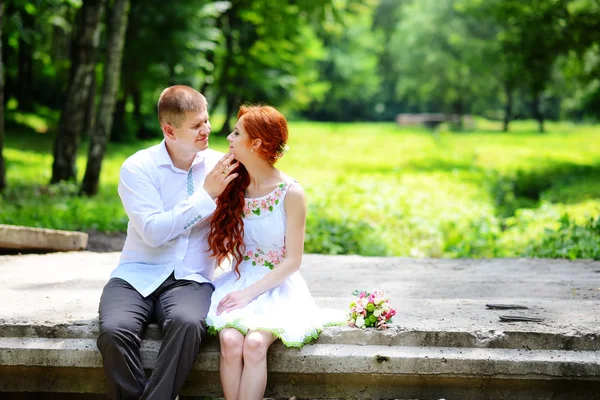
165,159
163,155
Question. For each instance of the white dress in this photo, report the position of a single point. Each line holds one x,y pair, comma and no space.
288,310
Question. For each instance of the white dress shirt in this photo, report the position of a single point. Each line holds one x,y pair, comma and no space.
168,212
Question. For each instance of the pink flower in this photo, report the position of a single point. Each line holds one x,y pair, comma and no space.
273,256
359,308
377,297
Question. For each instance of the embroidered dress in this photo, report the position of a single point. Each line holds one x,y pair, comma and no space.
288,310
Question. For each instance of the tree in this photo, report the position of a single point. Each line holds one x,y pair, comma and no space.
350,66
501,56
163,46
267,54
534,34
581,65
36,35
112,71
82,68
439,63
385,20
2,167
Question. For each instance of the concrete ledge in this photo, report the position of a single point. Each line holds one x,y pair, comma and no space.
446,343
320,370
28,238
394,336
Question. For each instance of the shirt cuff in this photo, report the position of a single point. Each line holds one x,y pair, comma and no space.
204,206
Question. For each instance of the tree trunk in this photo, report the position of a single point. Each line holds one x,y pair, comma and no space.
90,110
110,85
537,113
227,81
2,167
508,106
136,96
457,115
230,105
25,73
117,134
73,114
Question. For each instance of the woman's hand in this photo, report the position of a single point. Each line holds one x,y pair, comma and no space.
233,301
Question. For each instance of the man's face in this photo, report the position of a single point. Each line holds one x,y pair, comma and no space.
192,134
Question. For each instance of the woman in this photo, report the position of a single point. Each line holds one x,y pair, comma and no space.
259,222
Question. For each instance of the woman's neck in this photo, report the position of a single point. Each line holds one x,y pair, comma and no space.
261,173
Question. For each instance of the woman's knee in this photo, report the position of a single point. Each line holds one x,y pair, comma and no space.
256,346
232,343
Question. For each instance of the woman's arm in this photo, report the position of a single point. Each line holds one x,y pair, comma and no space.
295,208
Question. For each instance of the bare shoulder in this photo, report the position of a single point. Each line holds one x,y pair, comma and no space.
295,196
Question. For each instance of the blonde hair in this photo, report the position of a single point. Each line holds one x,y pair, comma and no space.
175,101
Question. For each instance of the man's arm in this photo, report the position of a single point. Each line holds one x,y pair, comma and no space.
146,211
145,208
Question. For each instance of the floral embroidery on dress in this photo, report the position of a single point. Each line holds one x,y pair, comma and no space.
263,204
269,260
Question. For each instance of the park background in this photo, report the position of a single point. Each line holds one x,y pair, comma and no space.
515,171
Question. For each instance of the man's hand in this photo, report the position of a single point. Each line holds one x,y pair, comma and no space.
233,301
217,180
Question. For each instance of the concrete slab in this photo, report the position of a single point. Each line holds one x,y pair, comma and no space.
30,239
430,295
444,342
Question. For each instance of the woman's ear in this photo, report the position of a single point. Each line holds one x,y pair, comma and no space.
256,143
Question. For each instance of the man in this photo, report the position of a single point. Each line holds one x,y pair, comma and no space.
165,271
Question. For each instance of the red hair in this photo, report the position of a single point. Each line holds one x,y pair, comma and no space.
226,236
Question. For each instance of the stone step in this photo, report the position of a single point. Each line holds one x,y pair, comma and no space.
40,239
394,336
343,369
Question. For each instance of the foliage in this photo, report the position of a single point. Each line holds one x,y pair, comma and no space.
441,63
350,67
376,189
571,240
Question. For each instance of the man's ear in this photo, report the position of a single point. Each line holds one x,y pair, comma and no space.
168,131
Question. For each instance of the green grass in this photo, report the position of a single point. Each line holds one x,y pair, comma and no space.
377,189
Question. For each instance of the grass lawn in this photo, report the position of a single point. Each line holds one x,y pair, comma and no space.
377,189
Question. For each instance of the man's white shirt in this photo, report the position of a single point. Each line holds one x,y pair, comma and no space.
168,212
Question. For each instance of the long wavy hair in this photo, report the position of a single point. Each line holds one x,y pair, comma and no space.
226,236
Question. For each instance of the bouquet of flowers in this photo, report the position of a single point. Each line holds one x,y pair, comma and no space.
370,310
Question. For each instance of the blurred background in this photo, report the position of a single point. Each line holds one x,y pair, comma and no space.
421,128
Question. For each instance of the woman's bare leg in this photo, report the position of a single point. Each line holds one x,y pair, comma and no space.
254,375
232,343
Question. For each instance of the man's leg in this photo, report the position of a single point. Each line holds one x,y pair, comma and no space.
124,314
180,310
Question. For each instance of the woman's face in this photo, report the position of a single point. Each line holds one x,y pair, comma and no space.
240,144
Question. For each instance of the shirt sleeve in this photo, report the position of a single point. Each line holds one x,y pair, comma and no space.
145,209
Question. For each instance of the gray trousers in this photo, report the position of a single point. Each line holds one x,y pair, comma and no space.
179,307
